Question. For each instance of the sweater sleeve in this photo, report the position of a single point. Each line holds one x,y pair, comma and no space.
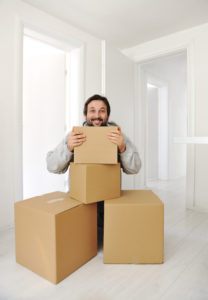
130,160
58,160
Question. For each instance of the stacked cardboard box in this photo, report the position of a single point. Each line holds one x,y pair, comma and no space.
134,228
54,233
57,233
94,182
133,220
95,173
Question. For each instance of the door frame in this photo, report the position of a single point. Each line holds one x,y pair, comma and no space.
140,113
162,87
63,41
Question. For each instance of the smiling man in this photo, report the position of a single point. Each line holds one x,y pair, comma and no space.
96,113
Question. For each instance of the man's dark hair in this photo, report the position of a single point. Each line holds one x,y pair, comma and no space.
97,97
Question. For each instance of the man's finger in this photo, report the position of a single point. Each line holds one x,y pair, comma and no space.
77,143
117,134
113,139
79,135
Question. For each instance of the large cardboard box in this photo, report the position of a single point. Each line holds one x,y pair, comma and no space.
134,228
94,182
55,234
97,148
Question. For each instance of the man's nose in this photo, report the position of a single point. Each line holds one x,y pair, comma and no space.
97,114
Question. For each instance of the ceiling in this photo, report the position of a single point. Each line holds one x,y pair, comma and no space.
126,23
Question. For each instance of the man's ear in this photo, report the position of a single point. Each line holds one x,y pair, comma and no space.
85,116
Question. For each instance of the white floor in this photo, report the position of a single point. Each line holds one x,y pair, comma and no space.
184,274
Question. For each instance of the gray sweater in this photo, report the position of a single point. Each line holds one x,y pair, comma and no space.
58,160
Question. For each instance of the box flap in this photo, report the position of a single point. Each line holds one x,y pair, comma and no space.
53,203
135,197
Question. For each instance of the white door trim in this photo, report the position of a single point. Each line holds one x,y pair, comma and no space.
63,41
140,113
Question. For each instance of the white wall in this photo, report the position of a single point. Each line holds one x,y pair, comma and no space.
12,15
172,70
196,39
119,89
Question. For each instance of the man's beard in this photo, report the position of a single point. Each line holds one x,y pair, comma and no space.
97,119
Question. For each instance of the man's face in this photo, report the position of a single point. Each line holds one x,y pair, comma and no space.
96,113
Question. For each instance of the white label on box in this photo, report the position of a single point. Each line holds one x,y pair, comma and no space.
55,200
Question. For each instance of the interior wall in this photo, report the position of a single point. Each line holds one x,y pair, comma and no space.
172,70
196,39
14,13
7,112
119,89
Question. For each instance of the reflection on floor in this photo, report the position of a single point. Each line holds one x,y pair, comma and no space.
184,275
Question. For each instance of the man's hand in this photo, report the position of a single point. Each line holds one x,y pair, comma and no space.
116,137
75,140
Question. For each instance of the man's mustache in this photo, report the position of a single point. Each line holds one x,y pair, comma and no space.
97,119
90,122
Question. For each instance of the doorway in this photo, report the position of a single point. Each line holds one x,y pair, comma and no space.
165,109
49,97
157,131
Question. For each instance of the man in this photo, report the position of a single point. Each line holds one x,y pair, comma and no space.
96,113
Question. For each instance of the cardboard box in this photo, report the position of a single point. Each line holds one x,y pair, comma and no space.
134,228
55,234
94,182
97,148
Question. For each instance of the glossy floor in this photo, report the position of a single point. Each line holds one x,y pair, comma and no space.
183,276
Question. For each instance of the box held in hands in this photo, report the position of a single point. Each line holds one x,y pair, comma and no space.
97,148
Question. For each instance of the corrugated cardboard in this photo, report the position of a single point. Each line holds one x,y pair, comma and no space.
55,234
94,182
134,228
97,148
